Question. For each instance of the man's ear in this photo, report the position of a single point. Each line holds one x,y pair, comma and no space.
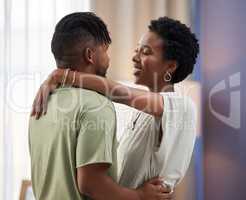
89,55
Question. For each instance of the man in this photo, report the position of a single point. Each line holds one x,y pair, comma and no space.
73,147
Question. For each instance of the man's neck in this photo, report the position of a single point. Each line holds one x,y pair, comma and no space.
85,68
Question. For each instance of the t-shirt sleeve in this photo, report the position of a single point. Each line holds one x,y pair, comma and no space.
96,137
179,132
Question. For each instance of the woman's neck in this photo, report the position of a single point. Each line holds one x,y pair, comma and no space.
166,87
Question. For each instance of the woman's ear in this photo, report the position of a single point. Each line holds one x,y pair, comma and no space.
89,55
172,66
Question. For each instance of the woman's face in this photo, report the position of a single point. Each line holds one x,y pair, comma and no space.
149,65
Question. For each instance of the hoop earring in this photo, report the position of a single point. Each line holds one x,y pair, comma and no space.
167,77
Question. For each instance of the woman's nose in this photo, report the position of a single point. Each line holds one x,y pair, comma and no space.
136,57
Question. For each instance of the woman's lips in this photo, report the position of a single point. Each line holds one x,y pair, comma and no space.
136,71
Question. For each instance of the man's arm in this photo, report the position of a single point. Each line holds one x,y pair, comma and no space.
94,182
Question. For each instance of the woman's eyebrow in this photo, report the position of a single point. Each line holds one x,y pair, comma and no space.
146,46
143,46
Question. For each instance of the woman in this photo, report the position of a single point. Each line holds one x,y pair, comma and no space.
160,137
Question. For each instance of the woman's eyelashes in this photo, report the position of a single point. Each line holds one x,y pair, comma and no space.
143,50
146,51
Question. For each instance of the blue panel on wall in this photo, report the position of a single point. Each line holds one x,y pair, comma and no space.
223,61
196,24
198,151
198,155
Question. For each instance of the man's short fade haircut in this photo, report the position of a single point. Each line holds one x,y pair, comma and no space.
76,29
180,44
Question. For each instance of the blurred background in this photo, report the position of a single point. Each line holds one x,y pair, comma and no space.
219,160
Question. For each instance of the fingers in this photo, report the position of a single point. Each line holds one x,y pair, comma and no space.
38,107
165,193
45,104
33,112
166,196
40,103
37,104
156,181
166,189
45,97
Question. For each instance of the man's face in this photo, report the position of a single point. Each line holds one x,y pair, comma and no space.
101,59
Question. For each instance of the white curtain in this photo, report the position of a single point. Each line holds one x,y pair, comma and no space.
26,28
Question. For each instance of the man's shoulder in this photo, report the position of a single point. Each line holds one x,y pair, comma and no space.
87,98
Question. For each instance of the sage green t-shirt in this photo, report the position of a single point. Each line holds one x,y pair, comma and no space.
78,129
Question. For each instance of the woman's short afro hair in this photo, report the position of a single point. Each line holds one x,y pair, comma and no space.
180,44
